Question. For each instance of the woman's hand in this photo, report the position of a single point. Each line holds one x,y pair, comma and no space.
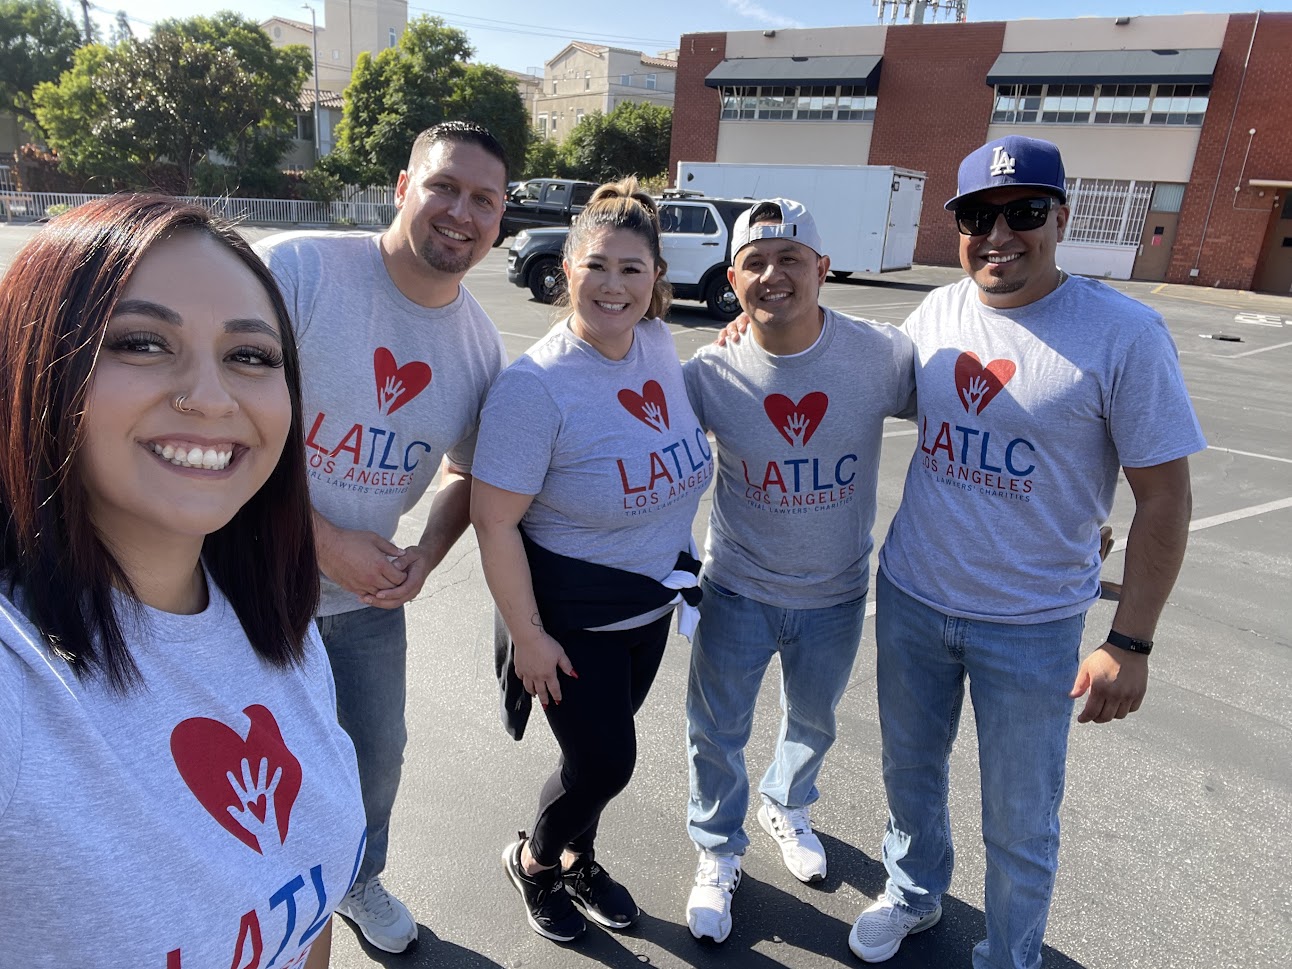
538,661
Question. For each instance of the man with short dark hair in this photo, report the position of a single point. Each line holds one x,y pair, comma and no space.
1034,387
396,360
797,414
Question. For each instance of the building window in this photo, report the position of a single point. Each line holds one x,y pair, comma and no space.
394,37
278,33
578,116
305,127
553,85
650,82
848,102
587,80
626,80
1107,212
336,54
542,126
553,122
1158,104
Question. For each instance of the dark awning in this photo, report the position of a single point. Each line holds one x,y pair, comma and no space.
1093,66
794,71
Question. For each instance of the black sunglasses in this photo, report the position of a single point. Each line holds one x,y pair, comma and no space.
1020,215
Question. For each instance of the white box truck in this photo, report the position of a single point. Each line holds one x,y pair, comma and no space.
868,214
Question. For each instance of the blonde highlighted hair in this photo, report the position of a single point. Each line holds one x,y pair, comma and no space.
624,205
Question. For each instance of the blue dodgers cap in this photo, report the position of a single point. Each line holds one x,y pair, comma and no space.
795,223
1012,161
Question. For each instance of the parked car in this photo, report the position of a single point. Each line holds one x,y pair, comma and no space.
695,238
542,202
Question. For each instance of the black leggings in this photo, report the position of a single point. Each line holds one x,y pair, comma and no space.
593,724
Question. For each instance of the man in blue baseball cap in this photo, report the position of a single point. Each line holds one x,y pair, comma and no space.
1034,388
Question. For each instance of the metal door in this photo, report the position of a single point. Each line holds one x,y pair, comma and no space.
1154,256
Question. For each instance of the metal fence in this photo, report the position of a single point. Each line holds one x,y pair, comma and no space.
363,207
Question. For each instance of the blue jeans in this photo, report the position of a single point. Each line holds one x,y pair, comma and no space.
368,649
1019,678
735,641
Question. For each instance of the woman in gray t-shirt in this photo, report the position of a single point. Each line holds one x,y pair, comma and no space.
588,472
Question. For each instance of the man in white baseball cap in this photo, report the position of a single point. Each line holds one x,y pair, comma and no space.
797,413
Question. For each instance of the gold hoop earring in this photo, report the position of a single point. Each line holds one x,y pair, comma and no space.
178,404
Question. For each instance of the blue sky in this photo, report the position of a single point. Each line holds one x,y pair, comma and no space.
520,34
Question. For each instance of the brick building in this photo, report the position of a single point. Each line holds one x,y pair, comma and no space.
1176,130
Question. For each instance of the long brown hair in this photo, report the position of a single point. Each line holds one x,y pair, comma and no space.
55,302
623,205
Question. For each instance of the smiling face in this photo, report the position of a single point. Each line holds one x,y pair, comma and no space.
192,320
450,206
1014,268
610,283
778,283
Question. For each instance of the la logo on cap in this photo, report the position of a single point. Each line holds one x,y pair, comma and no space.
1002,162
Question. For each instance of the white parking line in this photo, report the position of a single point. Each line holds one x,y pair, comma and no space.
1212,521
906,432
1249,353
1249,454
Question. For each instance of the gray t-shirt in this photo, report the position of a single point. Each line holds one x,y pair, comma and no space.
610,449
1025,416
211,817
390,387
798,442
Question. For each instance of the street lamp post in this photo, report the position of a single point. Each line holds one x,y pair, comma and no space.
314,35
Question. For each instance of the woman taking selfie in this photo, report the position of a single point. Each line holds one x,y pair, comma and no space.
588,471
174,787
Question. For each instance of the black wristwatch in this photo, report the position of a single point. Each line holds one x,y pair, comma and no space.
1128,643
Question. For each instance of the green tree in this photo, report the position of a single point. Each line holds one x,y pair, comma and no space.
130,106
67,112
423,80
486,95
633,139
276,75
544,159
37,41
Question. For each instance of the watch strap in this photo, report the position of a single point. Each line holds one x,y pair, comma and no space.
1129,643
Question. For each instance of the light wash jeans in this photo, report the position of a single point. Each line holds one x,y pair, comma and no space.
735,641
1019,678
368,650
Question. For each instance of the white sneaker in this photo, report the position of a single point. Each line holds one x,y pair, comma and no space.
879,930
800,848
708,908
380,916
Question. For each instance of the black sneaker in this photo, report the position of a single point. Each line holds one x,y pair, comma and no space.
547,906
602,898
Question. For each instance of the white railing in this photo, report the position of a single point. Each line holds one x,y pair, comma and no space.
374,207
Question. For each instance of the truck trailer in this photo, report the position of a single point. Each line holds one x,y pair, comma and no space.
868,215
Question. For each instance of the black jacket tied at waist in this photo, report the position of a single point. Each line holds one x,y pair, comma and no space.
574,594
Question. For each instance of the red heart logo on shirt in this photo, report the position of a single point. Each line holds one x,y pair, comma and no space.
396,386
797,422
976,385
649,406
207,752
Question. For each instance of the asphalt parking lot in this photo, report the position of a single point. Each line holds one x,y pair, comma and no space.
1177,821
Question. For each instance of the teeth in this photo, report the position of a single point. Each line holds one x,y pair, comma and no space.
209,459
453,235
998,260
612,306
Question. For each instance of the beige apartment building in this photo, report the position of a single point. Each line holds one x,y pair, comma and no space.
346,29
584,78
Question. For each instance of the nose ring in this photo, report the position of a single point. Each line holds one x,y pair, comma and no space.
178,404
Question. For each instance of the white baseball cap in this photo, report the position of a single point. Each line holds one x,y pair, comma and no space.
793,222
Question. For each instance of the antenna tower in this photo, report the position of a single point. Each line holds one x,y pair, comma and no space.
914,11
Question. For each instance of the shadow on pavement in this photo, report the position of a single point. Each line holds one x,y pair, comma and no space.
428,952
879,282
